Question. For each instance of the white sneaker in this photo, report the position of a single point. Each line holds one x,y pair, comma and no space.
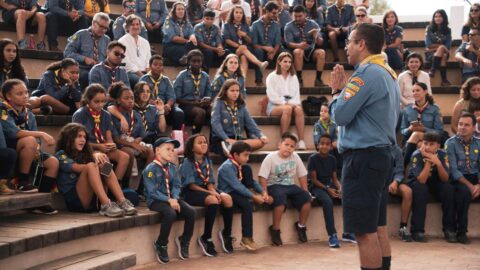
226,148
301,145
264,66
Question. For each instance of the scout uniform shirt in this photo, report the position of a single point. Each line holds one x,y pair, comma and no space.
61,7
150,117
266,34
194,172
192,87
296,33
462,157
367,109
105,75
97,124
222,77
173,28
151,11
417,163
161,87
342,17
230,179
161,182
209,36
67,178
85,44
51,84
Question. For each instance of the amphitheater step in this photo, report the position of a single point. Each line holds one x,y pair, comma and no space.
23,201
93,259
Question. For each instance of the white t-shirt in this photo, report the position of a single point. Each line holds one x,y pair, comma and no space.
278,87
282,171
137,54
227,5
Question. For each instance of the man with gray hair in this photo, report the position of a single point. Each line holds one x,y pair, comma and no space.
89,46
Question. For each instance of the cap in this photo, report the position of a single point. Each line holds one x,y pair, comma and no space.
163,140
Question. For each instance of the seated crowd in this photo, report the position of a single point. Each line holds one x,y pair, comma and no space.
122,105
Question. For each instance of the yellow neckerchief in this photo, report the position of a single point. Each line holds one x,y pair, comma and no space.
155,83
147,8
378,59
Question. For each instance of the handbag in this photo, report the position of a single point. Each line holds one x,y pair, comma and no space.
181,136
311,105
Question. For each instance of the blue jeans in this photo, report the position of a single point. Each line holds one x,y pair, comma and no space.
394,59
327,204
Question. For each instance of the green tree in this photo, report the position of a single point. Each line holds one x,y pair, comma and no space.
379,7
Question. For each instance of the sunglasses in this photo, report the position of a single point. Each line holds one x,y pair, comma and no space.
472,35
360,15
473,10
130,6
119,54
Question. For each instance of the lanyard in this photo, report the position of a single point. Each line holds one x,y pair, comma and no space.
165,173
96,120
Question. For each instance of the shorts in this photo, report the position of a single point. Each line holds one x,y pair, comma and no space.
366,175
75,205
194,197
280,194
9,17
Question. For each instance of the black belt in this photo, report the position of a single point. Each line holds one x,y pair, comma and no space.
368,149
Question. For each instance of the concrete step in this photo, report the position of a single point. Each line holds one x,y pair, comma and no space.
23,201
93,259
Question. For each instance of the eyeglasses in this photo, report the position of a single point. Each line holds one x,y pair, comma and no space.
347,42
119,54
103,27
474,10
361,15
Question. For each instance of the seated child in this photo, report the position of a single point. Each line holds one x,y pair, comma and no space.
162,190
276,176
324,185
235,178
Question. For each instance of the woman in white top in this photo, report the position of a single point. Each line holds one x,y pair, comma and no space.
409,77
138,52
283,91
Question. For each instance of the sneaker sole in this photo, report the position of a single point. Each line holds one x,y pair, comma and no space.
27,191
156,255
333,246
107,215
7,193
44,213
131,213
199,241
179,248
220,235
247,247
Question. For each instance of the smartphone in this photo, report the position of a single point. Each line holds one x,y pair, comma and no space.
106,169
415,123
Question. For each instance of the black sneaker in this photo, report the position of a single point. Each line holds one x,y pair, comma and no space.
182,246
207,247
161,252
319,83
302,233
462,238
404,234
450,236
26,188
276,239
227,242
419,237
44,210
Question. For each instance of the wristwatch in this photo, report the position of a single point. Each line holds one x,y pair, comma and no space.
326,187
336,92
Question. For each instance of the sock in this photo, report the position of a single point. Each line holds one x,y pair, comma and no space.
46,184
409,149
319,75
210,215
227,221
443,73
436,62
299,74
301,225
23,178
403,224
386,262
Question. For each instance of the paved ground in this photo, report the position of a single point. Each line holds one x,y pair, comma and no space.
434,255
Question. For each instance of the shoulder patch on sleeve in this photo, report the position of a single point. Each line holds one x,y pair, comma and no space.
358,81
4,115
150,174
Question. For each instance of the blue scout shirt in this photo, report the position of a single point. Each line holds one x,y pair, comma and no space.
443,38
371,89
210,36
271,37
393,34
320,3
17,121
320,128
229,31
119,31
417,163
459,165
323,166
430,117
67,178
83,116
8,129
51,84
8,75
221,78
228,180
293,33
223,126
27,4
398,166
102,73
136,131
185,87
190,175
155,183
173,28
161,87
80,45
469,55
319,19
283,19
150,117
340,17
154,12
60,6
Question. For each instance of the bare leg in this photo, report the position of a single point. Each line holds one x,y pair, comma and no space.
114,187
382,233
299,121
123,162
27,149
370,250
277,216
89,183
51,167
333,44
406,193
285,113
304,213
20,16
298,59
41,22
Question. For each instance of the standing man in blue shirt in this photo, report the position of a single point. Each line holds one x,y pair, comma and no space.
67,15
463,155
366,138
302,36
